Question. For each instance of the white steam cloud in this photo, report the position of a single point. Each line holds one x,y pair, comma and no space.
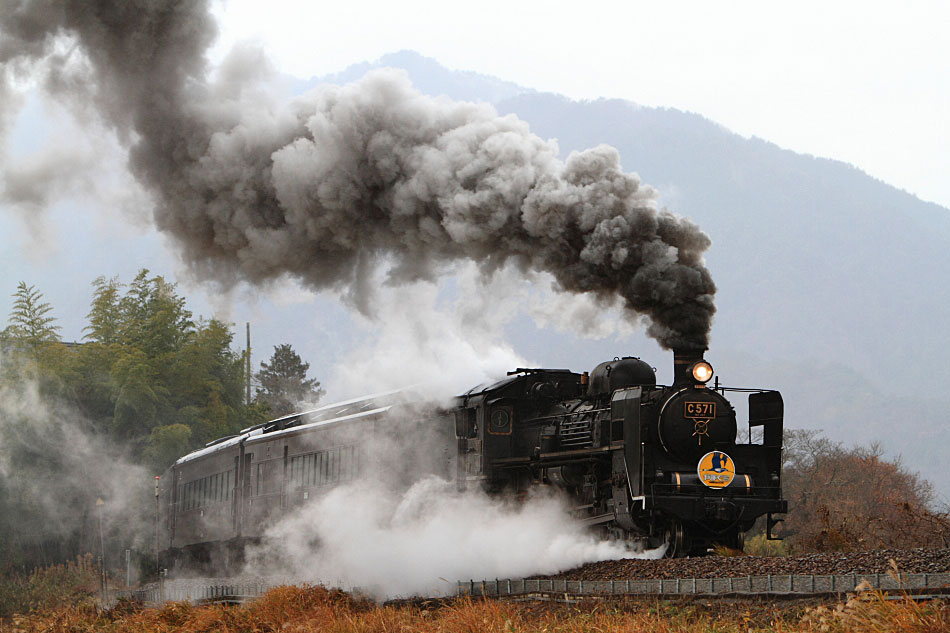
54,466
422,338
421,542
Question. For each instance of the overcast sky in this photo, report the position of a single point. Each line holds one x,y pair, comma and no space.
868,86
864,82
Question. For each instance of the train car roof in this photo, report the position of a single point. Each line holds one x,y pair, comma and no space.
337,412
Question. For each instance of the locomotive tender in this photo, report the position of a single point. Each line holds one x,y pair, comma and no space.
641,461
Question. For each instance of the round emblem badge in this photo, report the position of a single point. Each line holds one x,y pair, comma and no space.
716,469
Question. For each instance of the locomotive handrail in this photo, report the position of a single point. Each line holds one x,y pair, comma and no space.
565,414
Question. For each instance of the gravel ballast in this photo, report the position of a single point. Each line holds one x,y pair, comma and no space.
869,562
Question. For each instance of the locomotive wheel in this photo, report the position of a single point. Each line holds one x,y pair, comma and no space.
675,537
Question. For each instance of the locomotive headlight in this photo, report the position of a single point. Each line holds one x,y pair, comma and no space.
702,371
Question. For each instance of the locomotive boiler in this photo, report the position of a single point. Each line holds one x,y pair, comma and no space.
642,461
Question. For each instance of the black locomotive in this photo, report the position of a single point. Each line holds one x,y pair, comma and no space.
647,462
643,461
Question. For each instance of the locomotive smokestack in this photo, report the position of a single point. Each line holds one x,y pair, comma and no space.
683,361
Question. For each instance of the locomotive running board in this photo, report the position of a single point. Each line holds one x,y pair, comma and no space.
597,520
557,456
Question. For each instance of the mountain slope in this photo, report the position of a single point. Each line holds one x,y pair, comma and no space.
831,283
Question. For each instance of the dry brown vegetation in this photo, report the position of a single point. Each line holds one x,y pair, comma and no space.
305,609
852,499
48,588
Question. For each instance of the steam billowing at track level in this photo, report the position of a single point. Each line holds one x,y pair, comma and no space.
348,180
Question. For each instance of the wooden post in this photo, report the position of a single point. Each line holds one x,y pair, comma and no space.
247,377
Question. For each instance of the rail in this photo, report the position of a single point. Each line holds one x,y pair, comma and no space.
785,584
162,592
926,585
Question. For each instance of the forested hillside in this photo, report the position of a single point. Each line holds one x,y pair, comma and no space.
99,418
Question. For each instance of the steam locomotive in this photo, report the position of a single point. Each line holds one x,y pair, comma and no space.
661,465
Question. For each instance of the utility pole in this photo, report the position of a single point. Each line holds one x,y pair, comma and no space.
102,554
158,520
248,363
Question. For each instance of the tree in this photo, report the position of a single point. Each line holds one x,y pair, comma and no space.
166,444
284,383
30,319
852,498
153,317
105,316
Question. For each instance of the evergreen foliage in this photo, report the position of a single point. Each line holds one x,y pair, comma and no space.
30,320
284,383
149,384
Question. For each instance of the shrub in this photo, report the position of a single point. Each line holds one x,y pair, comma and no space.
48,588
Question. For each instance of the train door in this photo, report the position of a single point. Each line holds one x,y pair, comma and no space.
245,489
235,487
284,487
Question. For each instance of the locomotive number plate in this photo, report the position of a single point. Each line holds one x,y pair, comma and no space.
699,410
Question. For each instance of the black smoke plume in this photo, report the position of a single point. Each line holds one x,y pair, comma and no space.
351,179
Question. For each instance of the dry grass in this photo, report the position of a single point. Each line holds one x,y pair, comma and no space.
312,609
48,588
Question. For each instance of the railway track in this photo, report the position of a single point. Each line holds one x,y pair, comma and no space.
920,573
792,585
